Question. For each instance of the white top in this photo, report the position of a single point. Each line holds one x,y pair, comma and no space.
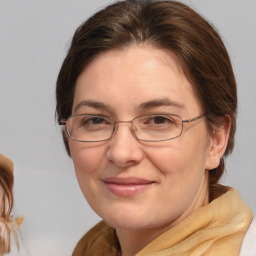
249,243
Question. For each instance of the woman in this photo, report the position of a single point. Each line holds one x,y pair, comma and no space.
7,225
148,99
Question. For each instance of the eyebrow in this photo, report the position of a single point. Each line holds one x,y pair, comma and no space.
93,104
159,103
143,106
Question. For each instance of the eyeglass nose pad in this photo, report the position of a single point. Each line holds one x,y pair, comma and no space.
115,128
133,130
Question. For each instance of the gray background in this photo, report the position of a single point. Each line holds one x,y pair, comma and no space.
34,36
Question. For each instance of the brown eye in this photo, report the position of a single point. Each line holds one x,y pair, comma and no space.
160,120
96,120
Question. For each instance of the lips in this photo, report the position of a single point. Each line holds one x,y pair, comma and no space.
127,186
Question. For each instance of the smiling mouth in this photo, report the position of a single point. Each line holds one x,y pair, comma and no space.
127,186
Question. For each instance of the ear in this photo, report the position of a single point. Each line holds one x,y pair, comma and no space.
218,144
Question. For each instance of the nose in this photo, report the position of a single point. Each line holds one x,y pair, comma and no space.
124,149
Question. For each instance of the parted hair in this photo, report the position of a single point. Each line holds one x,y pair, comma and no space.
168,25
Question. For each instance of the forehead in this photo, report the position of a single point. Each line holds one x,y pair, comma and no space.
125,78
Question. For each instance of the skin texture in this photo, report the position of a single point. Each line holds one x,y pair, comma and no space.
124,79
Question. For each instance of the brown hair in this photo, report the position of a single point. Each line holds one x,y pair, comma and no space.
168,25
6,201
8,225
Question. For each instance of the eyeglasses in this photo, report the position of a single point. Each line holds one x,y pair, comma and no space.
150,128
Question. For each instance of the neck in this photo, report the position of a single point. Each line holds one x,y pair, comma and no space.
133,241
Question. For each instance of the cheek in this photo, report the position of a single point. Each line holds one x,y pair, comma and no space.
179,160
165,160
169,160
86,157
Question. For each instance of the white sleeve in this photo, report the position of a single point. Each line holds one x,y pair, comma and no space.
249,243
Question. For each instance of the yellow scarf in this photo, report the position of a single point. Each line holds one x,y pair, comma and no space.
215,229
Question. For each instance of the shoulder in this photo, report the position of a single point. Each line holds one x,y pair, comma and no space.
100,240
249,243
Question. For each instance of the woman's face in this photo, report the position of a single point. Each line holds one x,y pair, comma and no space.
130,183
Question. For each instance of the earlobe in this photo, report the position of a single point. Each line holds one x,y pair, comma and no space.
218,144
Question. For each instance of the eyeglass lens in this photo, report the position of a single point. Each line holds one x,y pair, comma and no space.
92,128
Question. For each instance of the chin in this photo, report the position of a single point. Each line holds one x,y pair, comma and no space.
130,219
127,223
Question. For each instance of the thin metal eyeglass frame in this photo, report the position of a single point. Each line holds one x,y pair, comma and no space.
133,128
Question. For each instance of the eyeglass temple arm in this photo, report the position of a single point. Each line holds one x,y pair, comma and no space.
61,122
193,119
